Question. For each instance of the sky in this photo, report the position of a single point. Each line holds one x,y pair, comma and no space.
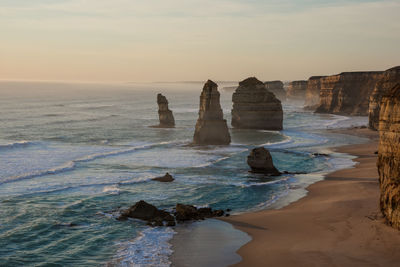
195,40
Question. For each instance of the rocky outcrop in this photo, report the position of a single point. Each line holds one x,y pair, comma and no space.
296,90
389,156
190,213
312,92
260,161
276,87
165,179
211,128
347,93
390,78
164,113
254,107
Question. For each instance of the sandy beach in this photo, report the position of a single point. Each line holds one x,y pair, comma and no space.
338,223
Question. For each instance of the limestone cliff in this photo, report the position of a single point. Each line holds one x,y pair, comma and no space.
390,78
165,115
276,87
389,156
254,107
211,128
347,93
296,90
312,92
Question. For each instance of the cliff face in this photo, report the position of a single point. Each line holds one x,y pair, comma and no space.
254,107
296,90
389,156
390,78
211,128
347,93
312,92
276,87
165,115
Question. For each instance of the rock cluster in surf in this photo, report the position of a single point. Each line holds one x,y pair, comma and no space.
276,87
211,128
389,156
260,161
254,107
296,90
164,113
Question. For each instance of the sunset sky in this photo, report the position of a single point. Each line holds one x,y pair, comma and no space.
181,40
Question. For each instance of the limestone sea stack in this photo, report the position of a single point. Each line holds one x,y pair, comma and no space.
312,92
165,115
389,156
347,93
260,161
254,107
211,128
296,90
276,87
390,78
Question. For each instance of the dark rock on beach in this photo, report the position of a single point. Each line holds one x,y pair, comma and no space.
165,179
260,161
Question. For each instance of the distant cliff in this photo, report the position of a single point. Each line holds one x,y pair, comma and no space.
347,93
296,90
390,78
389,156
312,92
276,87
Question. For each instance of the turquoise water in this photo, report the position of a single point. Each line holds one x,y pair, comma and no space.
72,154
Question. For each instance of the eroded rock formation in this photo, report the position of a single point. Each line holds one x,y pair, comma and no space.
211,128
296,90
389,156
164,113
347,93
276,87
254,107
390,78
260,161
164,179
312,92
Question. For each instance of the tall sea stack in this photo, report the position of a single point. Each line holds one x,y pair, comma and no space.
254,107
347,93
296,90
276,87
211,128
312,92
389,156
390,78
165,115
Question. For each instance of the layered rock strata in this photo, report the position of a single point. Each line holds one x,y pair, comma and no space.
347,93
254,107
211,128
296,90
276,87
260,161
389,156
164,113
390,78
312,92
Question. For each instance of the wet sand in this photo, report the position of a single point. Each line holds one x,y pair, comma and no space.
338,223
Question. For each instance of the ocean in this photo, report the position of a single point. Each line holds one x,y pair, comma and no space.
72,155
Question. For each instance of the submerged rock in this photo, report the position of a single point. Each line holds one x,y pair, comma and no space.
211,128
254,107
276,87
312,92
389,156
165,179
260,161
164,113
297,90
390,78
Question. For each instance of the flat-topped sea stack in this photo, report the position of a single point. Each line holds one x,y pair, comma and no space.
164,114
211,128
390,78
389,156
254,107
312,92
347,93
296,91
276,87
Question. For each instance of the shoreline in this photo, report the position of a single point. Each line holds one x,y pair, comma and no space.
338,222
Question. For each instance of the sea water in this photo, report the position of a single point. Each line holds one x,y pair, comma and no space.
73,155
